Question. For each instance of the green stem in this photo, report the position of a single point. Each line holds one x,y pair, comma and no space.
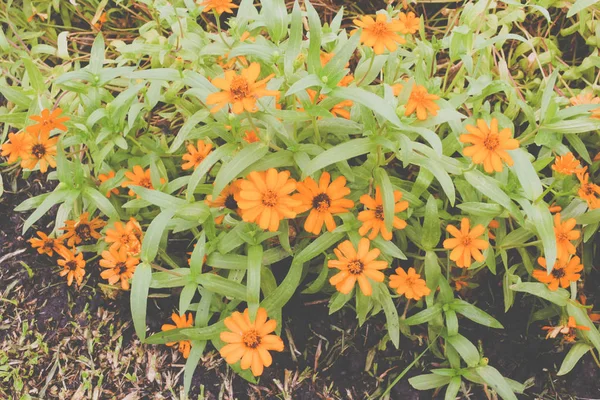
220,31
368,70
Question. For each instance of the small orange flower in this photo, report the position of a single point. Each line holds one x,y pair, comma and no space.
73,266
123,236
265,198
584,98
373,219
461,282
409,284
183,321
101,20
251,137
47,121
493,225
323,201
422,102
564,235
562,274
41,150
569,330
249,341
356,265
226,199
46,244
82,230
220,6
593,316
590,192
41,16
466,243
196,155
240,91
409,23
139,177
566,165
378,33
104,177
17,146
119,266
488,145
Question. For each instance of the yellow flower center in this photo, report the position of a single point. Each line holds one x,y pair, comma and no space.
83,230
466,241
491,142
356,267
251,339
379,213
38,151
321,202
270,198
239,88
145,182
198,158
562,237
72,265
380,28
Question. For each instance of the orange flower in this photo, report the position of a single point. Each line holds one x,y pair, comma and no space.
554,208
569,330
46,244
240,91
183,321
251,137
41,150
379,33
566,164
120,266
101,20
409,284
17,146
356,265
339,109
265,198
139,177
593,316
47,122
104,177
409,23
489,145
466,243
562,274
323,201
588,191
250,342
220,6
460,282
564,234
41,16
422,102
584,98
82,230
493,225
373,219
195,156
226,199
123,236
73,266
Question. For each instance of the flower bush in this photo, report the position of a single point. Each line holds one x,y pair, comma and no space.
266,139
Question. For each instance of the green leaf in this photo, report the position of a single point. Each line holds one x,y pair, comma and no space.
429,381
575,310
163,200
548,94
314,44
475,314
341,57
572,358
187,127
205,166
388,248
338,301
229,171
198,253
539,213
276,300
191,363
490,188
424,316
590,217
497,382
387,194
465,348
318,283
433,272
255,255
95,197
35,76
558,297
528,177
391,314
307,82
185,298
453,388
294,43
175,335
140,285
341,152
154,235
275,17
431,225
57,196
580,5
97,55
369,100
223,286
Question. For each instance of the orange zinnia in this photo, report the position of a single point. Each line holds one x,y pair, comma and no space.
196,155
373,219
265,198
409,22
47,121
240,91
82,230
489,145
584,98
356,265
120,266
46,244
17,146
409,284
41,150
73,266
590,192
101,20
138,177
379,33
466,243
564,234
569,330
250,342
323,201
220,6
183,321
566,164
493,225
123,236
422,102
104,177
562,274
250,137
